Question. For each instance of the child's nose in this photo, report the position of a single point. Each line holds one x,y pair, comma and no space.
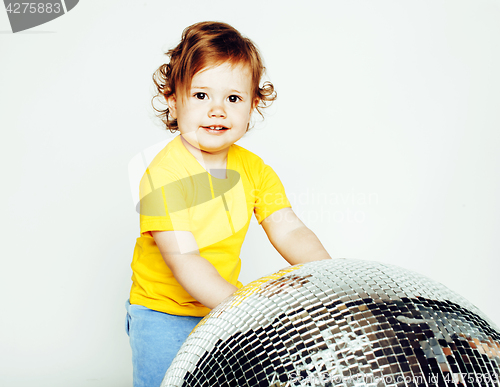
217,110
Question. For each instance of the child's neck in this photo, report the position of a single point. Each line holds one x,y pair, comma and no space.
209,161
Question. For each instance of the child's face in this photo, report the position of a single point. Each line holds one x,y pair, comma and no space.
217,109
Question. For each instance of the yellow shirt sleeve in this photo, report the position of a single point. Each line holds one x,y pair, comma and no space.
163,205
269,195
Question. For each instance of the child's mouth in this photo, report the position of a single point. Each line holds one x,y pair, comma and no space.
214,129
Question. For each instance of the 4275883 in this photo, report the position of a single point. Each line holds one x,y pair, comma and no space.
33,8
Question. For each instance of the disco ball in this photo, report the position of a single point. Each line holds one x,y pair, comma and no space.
340,323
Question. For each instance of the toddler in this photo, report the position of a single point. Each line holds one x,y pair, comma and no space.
199,193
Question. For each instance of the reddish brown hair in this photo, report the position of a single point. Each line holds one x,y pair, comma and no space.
202,45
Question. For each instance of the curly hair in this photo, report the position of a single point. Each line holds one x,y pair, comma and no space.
207,44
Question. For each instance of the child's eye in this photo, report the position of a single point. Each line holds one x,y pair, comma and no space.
200,96
233,98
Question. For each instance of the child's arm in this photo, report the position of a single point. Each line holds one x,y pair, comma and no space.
293,240
195,274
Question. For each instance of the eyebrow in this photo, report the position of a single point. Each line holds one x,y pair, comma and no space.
205,88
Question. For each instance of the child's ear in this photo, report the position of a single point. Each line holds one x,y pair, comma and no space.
172,106
255,103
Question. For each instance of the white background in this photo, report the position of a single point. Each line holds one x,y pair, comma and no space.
385,134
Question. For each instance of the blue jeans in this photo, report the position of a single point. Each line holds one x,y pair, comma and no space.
155,338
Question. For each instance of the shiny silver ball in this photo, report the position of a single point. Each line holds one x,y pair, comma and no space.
341,323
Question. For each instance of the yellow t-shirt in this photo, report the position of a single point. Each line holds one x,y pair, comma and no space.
178,194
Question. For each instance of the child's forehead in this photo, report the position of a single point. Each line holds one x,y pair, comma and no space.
224,68
224,73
